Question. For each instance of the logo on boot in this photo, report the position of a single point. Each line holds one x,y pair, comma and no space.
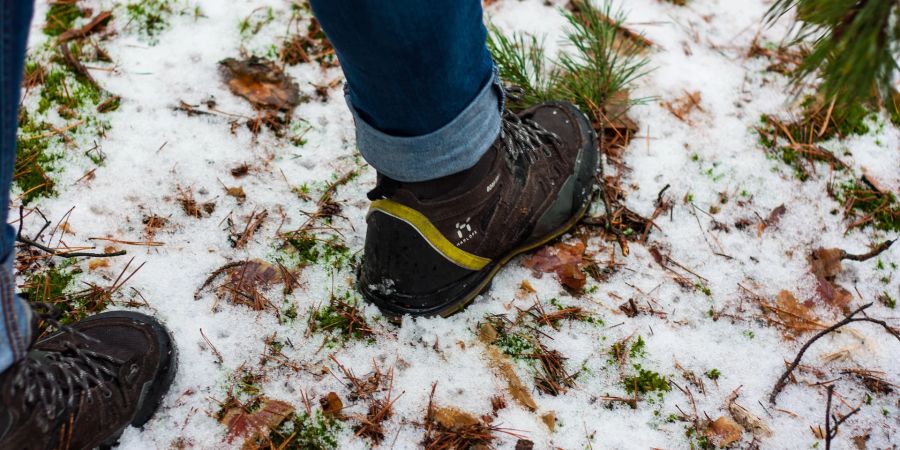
465,232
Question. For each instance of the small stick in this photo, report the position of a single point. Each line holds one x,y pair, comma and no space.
782,381
212,347
831,432
865,256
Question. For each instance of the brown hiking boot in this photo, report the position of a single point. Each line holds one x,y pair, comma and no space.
80,388
432,247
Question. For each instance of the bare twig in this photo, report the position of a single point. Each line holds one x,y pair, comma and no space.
831,431
782,381
865,256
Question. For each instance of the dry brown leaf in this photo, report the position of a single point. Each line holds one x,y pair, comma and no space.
745,418
241,424
454,419
524,444
487,333
563,259
261,82
724,431
833,294
549,419
684,105
254,274
860,441
97,263
332,405
825,262
236,192
772,220
517,390
794,317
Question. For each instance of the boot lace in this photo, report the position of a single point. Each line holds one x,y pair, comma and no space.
52,381
525,138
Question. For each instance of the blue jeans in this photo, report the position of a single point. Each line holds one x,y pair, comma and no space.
420,82
15,315
420,85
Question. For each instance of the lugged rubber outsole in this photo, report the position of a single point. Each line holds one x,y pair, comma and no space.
154,390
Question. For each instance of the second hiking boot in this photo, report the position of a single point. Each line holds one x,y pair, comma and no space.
432,247
78,389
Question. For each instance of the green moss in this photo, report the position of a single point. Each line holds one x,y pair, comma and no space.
869,207
645,381
66,93
887,300
638,348
150,17
60,17
342,320
34,162
51,285
307,432
305,248
713,374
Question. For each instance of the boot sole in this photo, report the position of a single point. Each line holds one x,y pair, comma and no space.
395,313
154,390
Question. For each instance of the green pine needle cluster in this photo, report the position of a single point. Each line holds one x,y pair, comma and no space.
602,59
853,51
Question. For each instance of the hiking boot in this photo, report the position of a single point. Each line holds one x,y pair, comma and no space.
80,388
432,247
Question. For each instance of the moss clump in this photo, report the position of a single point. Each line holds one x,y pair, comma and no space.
60,17
513,343
50,285
303,431
33,161
150,17
866,206
645,381
66,93
342,319
305,248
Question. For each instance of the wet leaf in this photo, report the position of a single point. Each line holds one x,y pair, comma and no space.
563,259
454,419
549,419
253,275
724,431
833,294
236,192
517,390
747,419
243,424
825,262
794,317
261,82
332,405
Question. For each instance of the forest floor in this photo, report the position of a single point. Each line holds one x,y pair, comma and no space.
733,228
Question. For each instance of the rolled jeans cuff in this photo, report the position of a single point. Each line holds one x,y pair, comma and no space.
452,148
15,318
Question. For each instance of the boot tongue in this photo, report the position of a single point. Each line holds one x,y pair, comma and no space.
454,184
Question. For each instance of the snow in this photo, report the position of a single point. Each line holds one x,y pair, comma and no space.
152,151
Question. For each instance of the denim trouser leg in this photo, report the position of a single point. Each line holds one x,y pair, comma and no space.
420,82
15,314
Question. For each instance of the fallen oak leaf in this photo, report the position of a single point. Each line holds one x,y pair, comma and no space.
261,82
563,259
793,317
724,431
825,262
243,424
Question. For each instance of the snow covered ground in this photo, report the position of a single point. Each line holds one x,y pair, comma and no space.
711,330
